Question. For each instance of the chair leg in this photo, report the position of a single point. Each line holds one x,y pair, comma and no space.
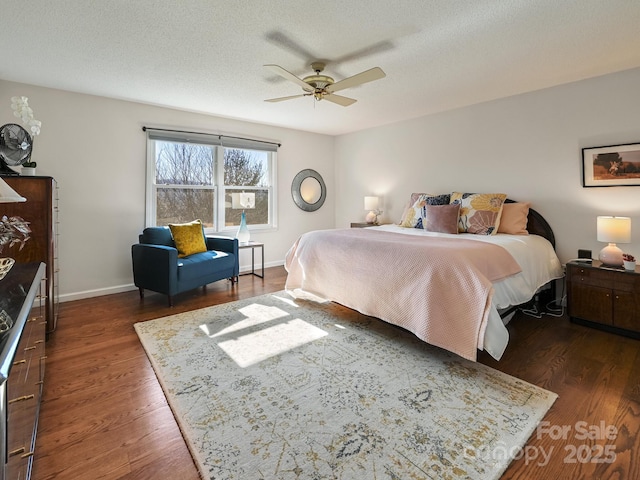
141,292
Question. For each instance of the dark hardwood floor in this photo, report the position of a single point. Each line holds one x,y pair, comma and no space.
104,414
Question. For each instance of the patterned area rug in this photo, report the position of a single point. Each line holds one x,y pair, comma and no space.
276,388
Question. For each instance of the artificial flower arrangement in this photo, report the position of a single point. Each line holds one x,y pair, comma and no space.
13,230
22,110
627,257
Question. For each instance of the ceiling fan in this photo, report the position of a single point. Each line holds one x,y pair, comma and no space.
324,87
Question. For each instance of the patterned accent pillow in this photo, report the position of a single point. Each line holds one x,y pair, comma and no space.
414,214
479,212
409,217
188,237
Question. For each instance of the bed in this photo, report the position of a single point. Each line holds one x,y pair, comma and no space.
450,290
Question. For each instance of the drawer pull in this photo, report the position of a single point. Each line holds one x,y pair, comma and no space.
17,451
30,348
38,341
20,361
27,455
22,399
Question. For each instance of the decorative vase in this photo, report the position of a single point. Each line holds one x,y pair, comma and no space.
28,171
243,232
629,265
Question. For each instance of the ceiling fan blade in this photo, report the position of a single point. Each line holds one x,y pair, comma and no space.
281,39
376,48
282,99
370,75
339,99
290,76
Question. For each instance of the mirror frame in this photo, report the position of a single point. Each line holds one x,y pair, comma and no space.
297,195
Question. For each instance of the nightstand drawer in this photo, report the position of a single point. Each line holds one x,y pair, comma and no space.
627,282
591,276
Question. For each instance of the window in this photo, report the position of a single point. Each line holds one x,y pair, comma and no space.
211,178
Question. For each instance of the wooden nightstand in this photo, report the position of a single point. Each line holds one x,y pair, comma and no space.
363,225
604,297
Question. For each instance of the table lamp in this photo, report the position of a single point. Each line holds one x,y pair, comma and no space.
613,230
14,230
371,204
8,194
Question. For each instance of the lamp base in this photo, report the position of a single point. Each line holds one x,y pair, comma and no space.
611,255
371,217
243,234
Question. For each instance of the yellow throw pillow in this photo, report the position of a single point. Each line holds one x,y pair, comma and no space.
188,237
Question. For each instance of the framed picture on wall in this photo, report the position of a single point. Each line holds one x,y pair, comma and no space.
612,166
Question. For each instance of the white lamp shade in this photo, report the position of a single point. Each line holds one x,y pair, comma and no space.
243,200
8,194
614,229
371,203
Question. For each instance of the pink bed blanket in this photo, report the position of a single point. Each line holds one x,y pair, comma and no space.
439,288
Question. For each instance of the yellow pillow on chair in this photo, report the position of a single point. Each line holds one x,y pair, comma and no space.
188,237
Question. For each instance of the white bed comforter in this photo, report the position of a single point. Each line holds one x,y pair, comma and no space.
534,254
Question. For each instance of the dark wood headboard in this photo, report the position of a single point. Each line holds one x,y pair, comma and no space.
537,225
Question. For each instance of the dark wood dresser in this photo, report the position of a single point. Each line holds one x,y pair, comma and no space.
41,211
22,360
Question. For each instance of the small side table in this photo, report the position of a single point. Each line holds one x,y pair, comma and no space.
363,225
253,246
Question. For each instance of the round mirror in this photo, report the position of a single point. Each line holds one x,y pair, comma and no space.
308,190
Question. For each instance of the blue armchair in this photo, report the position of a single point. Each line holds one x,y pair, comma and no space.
156,265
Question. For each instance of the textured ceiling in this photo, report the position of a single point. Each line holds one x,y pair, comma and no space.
208,56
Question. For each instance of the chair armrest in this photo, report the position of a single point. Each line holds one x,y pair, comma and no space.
223,244
151,260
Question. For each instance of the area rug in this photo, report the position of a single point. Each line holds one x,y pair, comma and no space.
276,388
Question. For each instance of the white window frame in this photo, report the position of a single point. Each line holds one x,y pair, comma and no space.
219,189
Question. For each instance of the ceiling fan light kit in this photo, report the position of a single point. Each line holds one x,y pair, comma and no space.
324,87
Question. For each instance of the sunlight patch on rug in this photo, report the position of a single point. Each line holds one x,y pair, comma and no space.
255,347
276,388
247,345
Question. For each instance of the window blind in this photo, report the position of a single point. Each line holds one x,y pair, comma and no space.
209,139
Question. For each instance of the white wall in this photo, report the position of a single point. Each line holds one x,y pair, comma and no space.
528,146
95,148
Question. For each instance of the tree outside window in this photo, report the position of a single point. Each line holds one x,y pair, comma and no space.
246,171
190,183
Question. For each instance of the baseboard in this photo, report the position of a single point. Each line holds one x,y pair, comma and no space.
98,292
